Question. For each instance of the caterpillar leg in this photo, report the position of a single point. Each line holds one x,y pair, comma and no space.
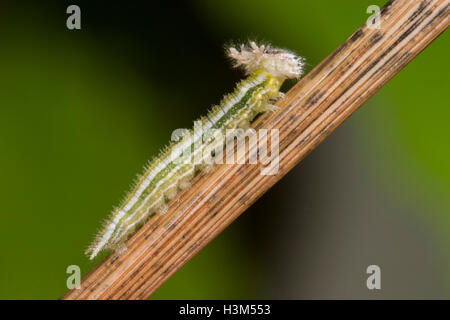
269,107
280,95
206,168
184,184
119,248
244,124
162,209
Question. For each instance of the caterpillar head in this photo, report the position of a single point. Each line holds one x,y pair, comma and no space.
278,62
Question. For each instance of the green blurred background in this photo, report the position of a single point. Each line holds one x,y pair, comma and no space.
82,111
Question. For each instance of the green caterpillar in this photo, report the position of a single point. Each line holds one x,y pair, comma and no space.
174,169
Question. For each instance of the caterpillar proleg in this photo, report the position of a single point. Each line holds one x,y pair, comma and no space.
173,169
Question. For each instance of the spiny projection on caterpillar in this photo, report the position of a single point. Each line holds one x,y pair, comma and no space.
173,170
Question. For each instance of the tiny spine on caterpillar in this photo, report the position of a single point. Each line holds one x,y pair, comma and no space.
170,172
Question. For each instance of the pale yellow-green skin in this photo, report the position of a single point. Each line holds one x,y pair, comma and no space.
163,178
